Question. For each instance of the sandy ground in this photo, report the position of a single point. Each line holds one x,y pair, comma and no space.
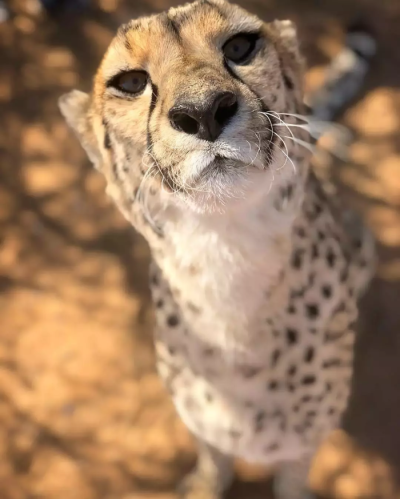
82,413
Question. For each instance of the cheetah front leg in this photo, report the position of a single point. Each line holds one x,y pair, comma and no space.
291,480
212,475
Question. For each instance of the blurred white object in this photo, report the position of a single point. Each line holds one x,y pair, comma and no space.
4,12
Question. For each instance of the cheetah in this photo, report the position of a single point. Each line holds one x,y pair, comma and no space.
197,121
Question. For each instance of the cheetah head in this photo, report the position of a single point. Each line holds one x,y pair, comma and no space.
188,103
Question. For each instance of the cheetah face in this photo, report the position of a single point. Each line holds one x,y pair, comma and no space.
188,101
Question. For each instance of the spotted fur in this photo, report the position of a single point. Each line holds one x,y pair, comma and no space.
255,275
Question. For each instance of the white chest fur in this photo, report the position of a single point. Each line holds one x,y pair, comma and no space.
226,263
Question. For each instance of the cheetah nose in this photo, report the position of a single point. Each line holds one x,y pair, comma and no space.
207,120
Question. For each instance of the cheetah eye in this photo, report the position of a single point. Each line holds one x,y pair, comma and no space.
240,47
130,82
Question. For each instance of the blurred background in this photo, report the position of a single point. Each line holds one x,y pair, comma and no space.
82,413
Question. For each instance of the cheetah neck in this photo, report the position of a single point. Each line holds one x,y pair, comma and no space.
228,263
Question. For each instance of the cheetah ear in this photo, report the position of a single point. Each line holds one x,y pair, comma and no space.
288,47
75,107
287,34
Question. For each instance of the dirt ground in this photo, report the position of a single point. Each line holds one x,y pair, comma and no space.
82,413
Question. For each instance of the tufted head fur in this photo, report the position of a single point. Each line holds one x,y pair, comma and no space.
202,130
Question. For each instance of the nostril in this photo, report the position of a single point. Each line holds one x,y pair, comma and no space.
227,108
184,123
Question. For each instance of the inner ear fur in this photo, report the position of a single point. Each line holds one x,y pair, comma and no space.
75,106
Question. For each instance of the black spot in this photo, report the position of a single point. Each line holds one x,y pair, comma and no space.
314,252
309,354
291,309
270,322
299,428
114,169
292,336
275,357
357,244
291,387
331,258
326,291
292,370
249,371
171,350
155,280
305,399
311,414
331,411
288,82
272,447
344,274
259,420
312,310
321,235
300,232
308,380
273,385
297,259
160,303
107,141
331,363
328,386
172,320
287,191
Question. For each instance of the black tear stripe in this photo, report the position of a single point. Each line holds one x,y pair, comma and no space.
272,141
154,97
153,102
